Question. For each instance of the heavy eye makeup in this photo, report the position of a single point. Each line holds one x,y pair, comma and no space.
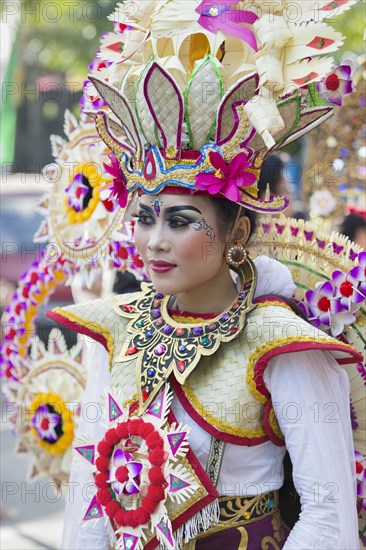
177,217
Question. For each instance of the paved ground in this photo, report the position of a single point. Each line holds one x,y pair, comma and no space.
31,514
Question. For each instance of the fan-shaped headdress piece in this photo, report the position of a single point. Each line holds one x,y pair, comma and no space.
203,92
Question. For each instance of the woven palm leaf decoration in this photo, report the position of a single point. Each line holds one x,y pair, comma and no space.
329,272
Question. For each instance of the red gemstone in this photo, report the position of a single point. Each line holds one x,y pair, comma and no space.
157,303
237,256
359,468
127,309
234,330
346,289
160,321
18,309
131,351
180,331
25,292
145,393
236,305
181,365
324,304
212,326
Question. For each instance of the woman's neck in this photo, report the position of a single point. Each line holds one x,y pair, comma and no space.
214,296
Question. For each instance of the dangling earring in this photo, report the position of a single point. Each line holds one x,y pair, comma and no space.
235,254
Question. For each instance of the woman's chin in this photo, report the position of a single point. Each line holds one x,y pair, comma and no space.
168,288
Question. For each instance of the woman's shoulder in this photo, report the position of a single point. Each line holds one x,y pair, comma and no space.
99,319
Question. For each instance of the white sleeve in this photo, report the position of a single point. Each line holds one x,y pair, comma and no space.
75,535
310,394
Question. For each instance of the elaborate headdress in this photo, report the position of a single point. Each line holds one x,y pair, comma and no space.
203,92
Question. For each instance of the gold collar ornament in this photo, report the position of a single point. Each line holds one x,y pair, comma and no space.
162,346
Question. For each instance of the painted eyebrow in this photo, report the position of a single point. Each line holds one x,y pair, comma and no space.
146,208
171,209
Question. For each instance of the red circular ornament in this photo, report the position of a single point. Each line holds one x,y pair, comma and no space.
112,508
104,496
156,456
100,481
102,464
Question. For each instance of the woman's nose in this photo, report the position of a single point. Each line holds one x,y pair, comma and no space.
157,238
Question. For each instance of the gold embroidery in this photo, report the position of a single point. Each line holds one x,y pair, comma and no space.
263,350
275,303
95,327
187,320
219,424
243,545
273,422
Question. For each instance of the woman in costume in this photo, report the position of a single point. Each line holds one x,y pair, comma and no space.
212,374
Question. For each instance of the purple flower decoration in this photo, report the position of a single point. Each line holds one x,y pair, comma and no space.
361,478
215,16
119,188
227,178
321,302
347,289
45,423
132,485
337,84
358,274
76,191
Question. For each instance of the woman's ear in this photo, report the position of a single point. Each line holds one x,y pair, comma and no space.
241,230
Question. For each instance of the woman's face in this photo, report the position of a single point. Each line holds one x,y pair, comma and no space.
179,241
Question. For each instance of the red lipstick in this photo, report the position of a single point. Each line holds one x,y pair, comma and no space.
159,266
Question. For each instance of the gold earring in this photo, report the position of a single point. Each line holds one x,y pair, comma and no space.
235,254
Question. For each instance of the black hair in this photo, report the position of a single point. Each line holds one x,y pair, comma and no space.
351,224
271,174
227,212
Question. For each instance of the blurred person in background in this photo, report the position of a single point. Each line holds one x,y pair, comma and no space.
272,176
354,227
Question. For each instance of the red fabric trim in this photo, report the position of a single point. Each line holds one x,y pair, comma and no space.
262,363
180,313
63,321
228,438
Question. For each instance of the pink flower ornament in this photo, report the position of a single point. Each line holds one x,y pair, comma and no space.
227,178
125,460
118,189
337,84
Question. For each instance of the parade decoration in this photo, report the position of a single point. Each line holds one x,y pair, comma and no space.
46,422
82,220
255,107
141,473
330,276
